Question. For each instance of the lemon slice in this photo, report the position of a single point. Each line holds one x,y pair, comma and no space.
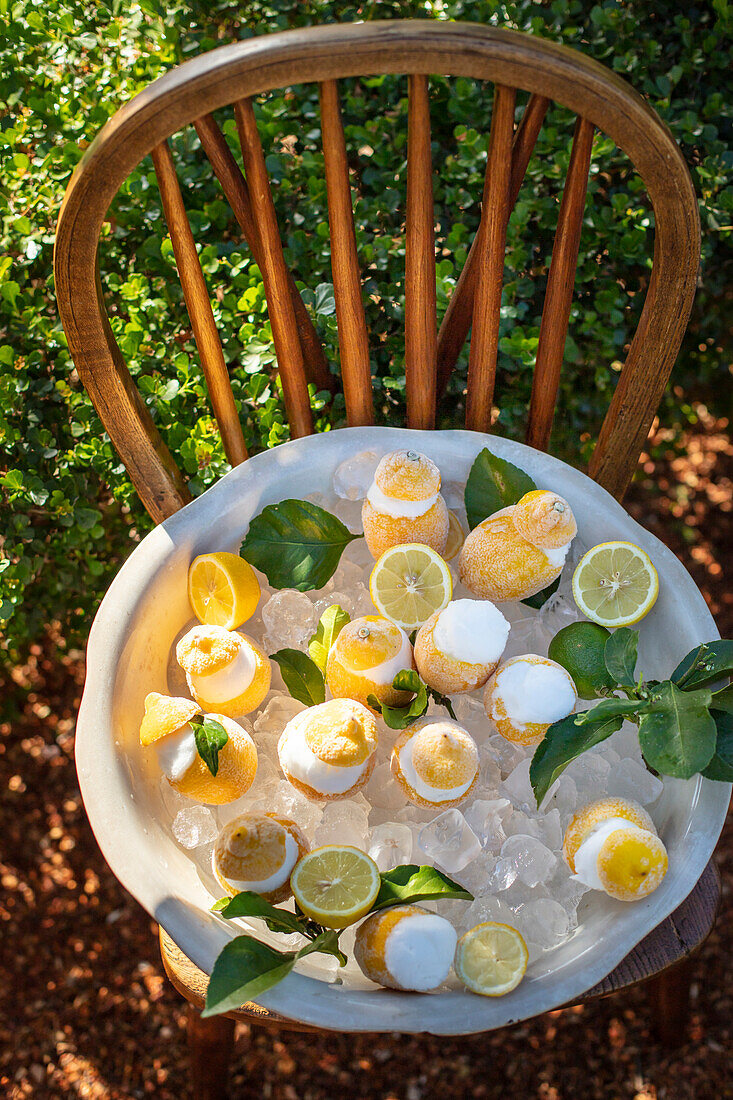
409,583
335,885
222,589
491,959
615,584
456,537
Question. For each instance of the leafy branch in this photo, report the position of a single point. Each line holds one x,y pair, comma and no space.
407,679
684,727
304,673
246,967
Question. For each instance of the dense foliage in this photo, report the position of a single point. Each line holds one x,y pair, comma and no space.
70,513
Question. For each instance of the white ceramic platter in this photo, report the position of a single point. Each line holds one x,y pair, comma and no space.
146,607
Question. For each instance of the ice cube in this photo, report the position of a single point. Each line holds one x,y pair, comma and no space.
556,613
469,709
383,791
334,597
534,861
507,754
353,477
343,822
449,840
291,803
289,619
347,575
194,826
626,742
569,892
276,714
487,909
551,832
486,818
475,876
390,844
490,770
590,773
629,779
503,875
518,788
562,796
543,922
349,512
519,822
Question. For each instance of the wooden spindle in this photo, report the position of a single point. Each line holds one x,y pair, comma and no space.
559,293
353,340
235,188
457,317
420,306
490,258
274,275
198,305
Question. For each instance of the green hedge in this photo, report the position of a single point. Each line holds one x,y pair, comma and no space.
71,514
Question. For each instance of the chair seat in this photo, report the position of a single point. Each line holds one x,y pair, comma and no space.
670,942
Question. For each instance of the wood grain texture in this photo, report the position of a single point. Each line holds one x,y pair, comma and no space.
335,51
198,305
352,330
490,259
457,318
421,340
274,275
559,293
235,188
675,939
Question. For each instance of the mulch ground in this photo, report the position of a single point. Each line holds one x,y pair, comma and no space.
87,1012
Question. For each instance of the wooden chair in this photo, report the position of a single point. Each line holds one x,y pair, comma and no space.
189,95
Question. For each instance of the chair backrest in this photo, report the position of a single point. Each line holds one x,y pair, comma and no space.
234,74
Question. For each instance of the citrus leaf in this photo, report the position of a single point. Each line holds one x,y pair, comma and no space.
721,765
303,678
704,665
245,968
540,598
327,943
210,737
296,544
678,733
620,655
411,883
249,904
563,742
330,625
723,699
610,708
492,484
399,717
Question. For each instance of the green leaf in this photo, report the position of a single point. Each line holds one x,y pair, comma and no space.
330,625
721,764
296,544
610,708
410,883
723,700
492,484
399,717
564,741
303,678
327,943
244,969
249,904
704,665
677,735
620,655
210,737
540,598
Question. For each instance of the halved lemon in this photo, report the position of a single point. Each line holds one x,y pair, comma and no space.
335,885
615,584
222,589
409,583
491,959
456,537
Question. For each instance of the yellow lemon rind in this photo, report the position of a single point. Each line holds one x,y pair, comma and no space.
165,714
595,813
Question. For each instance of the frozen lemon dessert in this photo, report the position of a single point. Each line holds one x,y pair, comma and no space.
612,845
258,852
167,726
459,647
365,658
526,695
328,751
520,549
406,947
435,762
404,504
225,670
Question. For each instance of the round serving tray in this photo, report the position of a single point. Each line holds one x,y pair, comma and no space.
145,609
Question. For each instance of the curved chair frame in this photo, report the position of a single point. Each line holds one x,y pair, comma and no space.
189,93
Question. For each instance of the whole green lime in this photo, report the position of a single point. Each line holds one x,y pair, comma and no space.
579,649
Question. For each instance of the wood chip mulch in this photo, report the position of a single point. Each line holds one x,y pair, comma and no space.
85,1010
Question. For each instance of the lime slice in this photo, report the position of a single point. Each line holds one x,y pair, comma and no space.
335,885
222,589
491,959
615,584
409,583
